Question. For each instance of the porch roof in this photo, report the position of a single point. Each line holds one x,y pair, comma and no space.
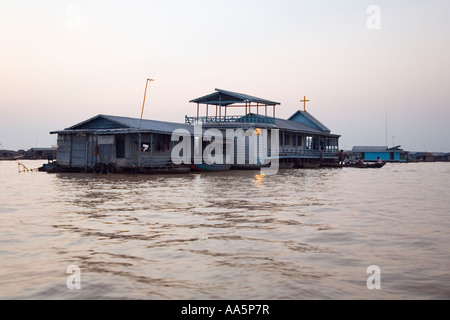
225,98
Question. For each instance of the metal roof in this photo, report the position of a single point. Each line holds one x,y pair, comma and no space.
225,98
123,125
118,125
276,123
376,149
310,118
300,127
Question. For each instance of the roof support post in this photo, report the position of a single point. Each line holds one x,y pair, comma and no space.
139,148
266,109
151,149
207,110
198,110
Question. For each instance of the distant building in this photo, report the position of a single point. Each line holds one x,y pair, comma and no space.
371,153
10,155
429,156
42,153
440,156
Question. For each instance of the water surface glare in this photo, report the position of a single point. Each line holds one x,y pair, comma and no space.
300,234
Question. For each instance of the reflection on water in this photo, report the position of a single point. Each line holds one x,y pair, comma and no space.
300,234
259,180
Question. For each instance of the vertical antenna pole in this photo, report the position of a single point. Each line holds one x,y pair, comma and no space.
386,131
143,103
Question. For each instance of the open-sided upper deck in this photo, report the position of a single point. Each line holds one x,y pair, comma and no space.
218,104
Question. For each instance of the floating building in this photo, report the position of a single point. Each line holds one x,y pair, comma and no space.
372,153
106,143
302,138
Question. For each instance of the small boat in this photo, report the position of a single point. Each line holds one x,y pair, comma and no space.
48,167
364,165
210,167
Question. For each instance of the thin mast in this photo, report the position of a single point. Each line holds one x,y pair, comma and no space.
143,103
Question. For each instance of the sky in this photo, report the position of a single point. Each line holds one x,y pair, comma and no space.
364,65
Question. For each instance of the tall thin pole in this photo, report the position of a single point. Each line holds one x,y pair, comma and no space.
143,103
386,131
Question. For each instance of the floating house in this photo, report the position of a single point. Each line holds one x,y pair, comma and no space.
302,138
371,153
106,143
428,156
10,155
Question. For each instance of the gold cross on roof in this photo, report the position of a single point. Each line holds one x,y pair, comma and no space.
304,102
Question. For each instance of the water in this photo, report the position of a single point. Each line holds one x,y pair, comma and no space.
301,234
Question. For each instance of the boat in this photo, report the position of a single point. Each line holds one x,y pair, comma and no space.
364,165
201,167
48,167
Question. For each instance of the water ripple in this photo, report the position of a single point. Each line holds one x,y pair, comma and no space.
301,234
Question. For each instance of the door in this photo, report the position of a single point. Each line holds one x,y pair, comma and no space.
78,158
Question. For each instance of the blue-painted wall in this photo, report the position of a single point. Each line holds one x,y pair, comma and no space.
385,156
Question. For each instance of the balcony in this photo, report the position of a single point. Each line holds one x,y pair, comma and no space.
249,118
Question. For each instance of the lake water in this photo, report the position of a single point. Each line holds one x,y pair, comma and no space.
300,234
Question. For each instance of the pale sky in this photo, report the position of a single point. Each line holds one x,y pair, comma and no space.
63,62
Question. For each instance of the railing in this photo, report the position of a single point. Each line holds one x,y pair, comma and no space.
23,168
305,153
226,119
284,153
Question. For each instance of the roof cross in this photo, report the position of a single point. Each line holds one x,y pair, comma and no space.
304,102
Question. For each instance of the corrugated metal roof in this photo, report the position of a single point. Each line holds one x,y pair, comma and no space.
126,125
376,149
225,98
131,125
297,126
369,149
277,123
150,125
311,118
